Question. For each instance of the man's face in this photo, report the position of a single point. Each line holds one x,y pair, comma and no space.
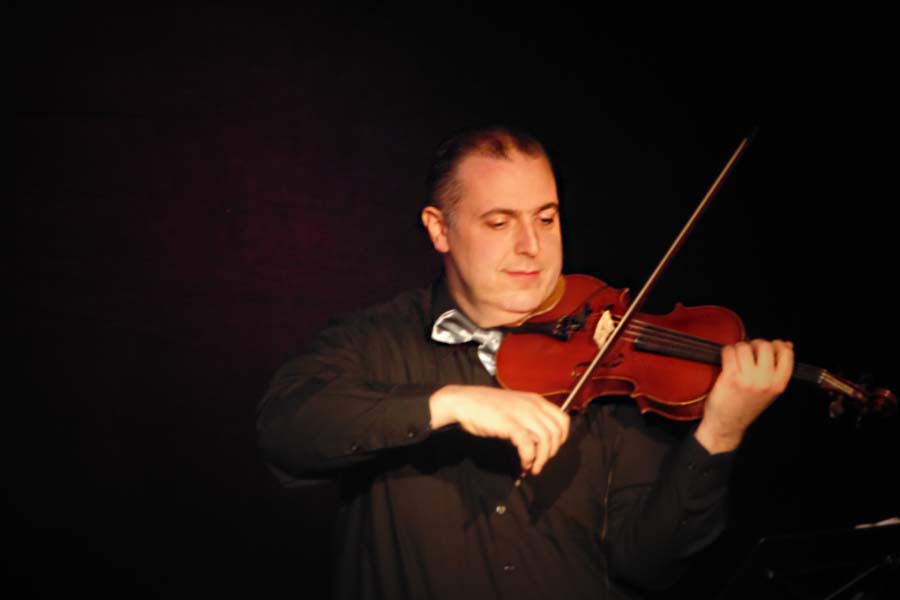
503,247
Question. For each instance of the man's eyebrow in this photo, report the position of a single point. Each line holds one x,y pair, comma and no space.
512,213
499,211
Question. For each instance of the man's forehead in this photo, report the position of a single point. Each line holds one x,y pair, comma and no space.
521,178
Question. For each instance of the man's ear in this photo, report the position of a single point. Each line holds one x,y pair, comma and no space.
434,222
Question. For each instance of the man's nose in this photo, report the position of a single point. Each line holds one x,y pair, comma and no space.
527,240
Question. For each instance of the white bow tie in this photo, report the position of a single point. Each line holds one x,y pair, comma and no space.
453,327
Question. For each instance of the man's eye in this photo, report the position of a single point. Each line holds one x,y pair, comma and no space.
497,224
548,219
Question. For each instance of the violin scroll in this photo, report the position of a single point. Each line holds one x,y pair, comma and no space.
859,399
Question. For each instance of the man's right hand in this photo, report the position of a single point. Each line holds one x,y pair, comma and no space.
533,424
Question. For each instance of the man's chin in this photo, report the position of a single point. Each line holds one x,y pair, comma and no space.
523,306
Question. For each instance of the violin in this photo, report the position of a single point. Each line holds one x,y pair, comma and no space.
593,341
666,363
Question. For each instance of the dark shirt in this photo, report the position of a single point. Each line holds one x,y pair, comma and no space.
436,514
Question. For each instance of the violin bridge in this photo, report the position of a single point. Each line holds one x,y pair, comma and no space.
604,329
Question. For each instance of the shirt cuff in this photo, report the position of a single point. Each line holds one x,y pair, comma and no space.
706,473
407,416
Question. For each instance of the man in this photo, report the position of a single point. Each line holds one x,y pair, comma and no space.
399,402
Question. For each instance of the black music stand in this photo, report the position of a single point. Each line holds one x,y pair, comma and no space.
845,564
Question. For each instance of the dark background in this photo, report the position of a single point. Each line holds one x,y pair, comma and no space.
196,189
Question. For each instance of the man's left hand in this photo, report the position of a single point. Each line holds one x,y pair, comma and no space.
753,374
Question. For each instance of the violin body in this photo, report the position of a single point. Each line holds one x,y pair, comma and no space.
666,363
644,363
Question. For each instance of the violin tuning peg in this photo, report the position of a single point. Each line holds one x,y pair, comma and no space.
836,408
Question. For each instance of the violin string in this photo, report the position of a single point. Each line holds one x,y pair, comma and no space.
671,333
840,385
655,333
814,374
666,347
688,346
681,344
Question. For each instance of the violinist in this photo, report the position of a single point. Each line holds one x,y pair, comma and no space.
399,402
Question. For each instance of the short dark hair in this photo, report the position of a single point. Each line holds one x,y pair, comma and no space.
496,141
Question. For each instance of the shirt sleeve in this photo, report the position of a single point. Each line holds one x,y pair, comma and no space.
326,409
667,500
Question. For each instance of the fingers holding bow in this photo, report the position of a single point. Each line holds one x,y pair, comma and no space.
535,426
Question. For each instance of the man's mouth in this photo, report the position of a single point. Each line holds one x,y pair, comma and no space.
523,273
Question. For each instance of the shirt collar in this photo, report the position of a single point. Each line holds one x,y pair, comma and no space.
441,302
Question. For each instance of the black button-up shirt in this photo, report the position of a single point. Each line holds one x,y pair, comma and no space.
436,514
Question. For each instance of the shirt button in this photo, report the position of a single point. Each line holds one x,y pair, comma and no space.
411,433
500,509
354,447
509,567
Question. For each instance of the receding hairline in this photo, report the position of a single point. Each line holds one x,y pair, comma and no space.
496,142
501,143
